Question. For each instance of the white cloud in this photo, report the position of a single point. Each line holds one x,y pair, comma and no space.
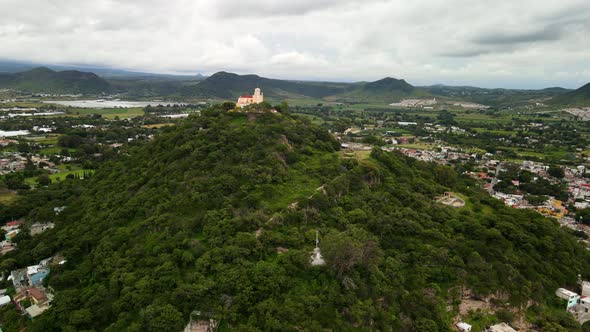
508,43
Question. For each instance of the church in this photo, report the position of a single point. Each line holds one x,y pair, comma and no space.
246,100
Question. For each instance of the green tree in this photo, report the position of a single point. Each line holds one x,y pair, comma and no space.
556,172
162,318
43,180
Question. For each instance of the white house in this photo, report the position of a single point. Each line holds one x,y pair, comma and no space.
464,327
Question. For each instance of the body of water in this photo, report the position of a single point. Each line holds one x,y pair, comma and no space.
99,103
14,133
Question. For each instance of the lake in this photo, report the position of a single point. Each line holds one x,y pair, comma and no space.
100,103
14,133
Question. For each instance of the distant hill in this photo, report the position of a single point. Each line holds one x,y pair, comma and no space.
579,97
7,66
385,90
45,80
226,85
495,97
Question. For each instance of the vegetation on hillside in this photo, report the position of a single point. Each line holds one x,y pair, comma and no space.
578,97
56,82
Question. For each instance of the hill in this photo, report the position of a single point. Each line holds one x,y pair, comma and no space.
495,97
7,66
219,215
45,80
225,85
386,90
578,97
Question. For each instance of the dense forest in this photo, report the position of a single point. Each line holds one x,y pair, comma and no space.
219,215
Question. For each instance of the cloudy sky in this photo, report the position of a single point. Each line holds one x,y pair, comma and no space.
501,43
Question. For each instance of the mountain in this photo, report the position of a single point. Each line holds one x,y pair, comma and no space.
495,97
7,66
46,80
386,90
579,97
388,84
219,215
230,86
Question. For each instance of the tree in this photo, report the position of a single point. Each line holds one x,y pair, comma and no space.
556,172
23,147
445,175
43,180
228,105
425,325
345,250
162,318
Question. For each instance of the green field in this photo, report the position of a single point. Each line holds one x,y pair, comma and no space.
7,196
56,177
108,113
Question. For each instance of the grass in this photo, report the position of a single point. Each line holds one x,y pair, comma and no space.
359,155
158,125
7,196
56,177
302,182
48,139
55,150
497,132
108,113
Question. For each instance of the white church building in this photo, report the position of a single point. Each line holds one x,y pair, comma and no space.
246,100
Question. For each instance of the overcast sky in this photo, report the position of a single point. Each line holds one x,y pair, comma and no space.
500,43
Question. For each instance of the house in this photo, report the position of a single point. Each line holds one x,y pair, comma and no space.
34,294
40,300
12,225
38,228
246,100
6,246
10,235
571,297
36,274
4,300
464,327
19,279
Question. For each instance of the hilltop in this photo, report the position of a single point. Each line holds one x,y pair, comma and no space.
230,86
385,90
219,215
578,97
45,80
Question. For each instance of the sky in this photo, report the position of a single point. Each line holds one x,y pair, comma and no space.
500,43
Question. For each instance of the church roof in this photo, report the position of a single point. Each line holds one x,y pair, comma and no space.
246,96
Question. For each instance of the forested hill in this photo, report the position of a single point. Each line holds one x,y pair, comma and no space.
230,86
219,215
45,80
578,97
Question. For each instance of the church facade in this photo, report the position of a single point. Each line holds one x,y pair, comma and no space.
246,100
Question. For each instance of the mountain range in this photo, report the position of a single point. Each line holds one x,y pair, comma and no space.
229,86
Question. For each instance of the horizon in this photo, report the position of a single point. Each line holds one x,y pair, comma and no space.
88,68
524,45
